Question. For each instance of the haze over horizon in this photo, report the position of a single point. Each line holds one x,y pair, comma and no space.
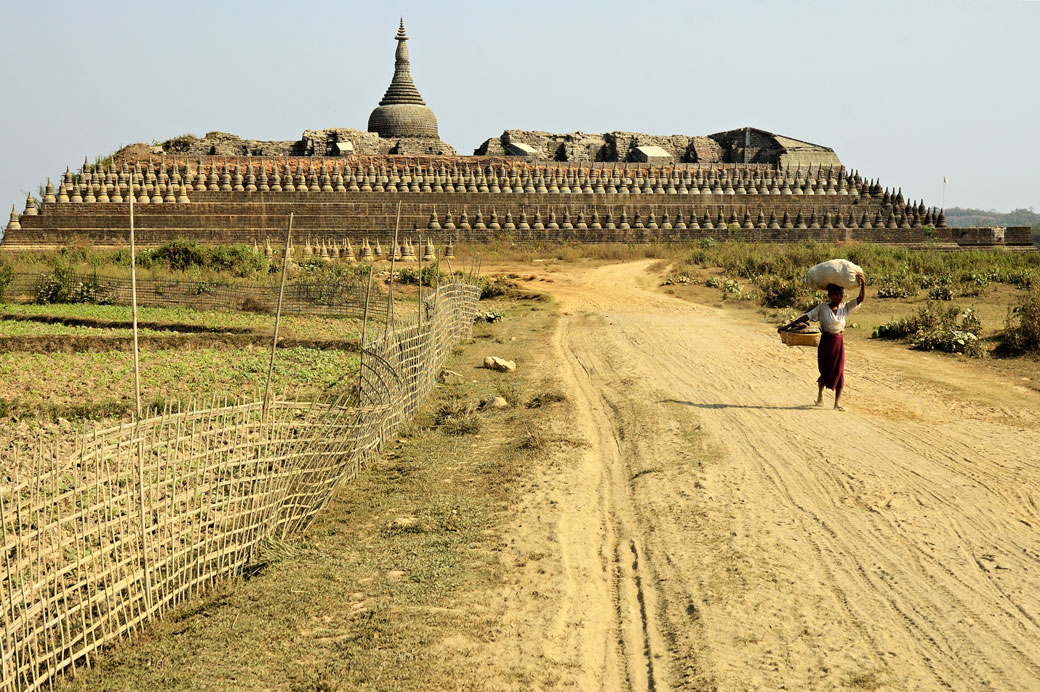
904,92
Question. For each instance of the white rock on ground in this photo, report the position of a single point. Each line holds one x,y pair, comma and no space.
499,364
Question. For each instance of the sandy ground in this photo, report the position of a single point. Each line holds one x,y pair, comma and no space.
713,530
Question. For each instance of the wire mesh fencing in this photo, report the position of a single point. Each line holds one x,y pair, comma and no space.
103,535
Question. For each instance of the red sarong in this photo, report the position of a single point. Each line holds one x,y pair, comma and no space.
830,356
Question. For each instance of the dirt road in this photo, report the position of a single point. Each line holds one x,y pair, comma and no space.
719,532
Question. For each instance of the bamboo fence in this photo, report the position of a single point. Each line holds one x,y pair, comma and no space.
105,535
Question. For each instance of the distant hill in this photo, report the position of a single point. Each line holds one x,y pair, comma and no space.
960,218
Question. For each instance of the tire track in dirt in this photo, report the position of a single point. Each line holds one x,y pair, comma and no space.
637,641
774,544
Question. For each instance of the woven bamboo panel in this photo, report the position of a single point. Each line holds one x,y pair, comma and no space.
102,536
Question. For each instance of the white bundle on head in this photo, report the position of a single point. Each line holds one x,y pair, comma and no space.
836,271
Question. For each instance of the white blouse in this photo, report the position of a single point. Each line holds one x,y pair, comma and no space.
830,321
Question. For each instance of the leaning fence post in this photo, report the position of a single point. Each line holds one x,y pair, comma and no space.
390,291
420,288
277,319
137,417
364,331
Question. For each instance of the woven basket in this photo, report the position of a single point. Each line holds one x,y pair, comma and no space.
801,338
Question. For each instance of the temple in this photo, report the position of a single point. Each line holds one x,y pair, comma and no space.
345,187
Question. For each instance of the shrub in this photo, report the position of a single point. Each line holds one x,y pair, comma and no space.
902,286
678,278
940,292
932,315
931,279
1019,279
240,260
60,286
179,255
938,328
410,276
1022,329
949,341
493,288
179,144
6,275
55,287
975,278
182,255
781,293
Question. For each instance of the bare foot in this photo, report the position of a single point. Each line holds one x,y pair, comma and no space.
819,402
838,408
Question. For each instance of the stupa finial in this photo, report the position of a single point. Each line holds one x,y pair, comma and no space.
401,36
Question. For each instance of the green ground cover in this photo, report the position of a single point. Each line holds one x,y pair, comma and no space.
973,302
99,385
169,319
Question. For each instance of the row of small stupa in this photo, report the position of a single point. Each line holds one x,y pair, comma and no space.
95,185
330,249
890,216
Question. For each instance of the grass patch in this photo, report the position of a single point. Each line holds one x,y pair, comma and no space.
457,417
532,440
179,319
546,398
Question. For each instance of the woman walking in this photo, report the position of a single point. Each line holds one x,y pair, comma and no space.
830,356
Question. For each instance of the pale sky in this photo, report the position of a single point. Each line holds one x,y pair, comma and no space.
904,91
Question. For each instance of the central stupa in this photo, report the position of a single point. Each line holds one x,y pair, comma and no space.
402,112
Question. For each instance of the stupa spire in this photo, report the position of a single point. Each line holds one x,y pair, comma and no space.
402,88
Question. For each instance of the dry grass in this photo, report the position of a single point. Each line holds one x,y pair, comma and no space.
546,398
457,417
508,251
532,440
864,680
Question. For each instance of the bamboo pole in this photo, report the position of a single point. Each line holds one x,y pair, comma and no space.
419,253
133,308
390,291
364,331
10,588
146,576
277,320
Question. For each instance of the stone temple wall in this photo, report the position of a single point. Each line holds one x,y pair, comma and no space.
247,201
317,219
